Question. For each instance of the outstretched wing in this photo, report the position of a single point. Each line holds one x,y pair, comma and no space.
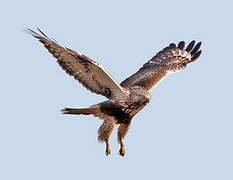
171,59
89,73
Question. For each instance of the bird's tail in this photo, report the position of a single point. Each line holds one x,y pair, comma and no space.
85,111
93,110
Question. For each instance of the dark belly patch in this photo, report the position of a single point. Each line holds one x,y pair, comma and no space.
117,112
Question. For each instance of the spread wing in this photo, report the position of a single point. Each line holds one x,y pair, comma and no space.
171,59
89,73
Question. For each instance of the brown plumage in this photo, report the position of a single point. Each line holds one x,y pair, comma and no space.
125,100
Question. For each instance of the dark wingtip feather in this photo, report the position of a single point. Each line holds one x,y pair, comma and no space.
38,35
190,46
31,32
44,34
172,45
196,56
181,45
196,48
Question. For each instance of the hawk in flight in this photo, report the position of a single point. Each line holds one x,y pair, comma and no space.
126,99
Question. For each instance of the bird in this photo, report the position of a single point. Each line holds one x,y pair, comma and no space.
126,99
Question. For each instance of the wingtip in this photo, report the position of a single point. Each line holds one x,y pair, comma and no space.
43,33
39,34
181,45
196,55
190,46
172,45
196,48
193,41
31,32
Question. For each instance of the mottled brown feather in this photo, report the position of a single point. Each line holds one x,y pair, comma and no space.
88,72
171,58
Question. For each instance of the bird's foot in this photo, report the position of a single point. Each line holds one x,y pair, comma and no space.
122,151
108,150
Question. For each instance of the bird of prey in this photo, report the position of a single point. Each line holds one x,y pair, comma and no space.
126,99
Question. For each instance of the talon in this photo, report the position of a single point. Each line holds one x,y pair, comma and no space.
108,150
122,151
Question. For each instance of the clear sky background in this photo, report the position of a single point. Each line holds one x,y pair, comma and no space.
184,133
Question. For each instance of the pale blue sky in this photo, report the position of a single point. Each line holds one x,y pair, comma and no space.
185,133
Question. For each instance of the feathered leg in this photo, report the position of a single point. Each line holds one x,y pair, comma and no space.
122,131
105,131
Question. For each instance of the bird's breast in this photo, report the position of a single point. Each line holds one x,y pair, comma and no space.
119,112
123,113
